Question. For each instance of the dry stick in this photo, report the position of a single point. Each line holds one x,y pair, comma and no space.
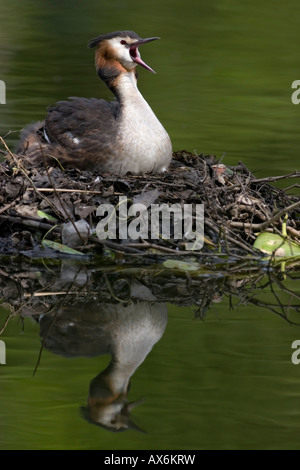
112,292
273,278
22,169
271,307
236,187
3,273
291,187
284,289
263,225
241,245
244,266
47,294
223,231
65,190
29,223
248,208
245,225
60,201
293,231
158,247
113,245
296,174
27,302
199,254
16,162
229,238
132,248
56,309
79,191
87,191
9,206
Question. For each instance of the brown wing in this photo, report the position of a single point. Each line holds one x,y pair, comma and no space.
83,126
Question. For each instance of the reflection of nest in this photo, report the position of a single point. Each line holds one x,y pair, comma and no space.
31,291
236,204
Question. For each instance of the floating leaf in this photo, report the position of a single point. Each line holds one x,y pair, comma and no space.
272,243
61,248
181,265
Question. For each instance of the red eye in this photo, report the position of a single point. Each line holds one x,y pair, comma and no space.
123,42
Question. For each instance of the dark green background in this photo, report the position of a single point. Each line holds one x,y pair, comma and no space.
224,69
223,85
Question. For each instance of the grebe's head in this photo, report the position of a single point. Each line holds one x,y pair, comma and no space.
120,51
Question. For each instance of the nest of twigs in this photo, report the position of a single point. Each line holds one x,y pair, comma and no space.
237,205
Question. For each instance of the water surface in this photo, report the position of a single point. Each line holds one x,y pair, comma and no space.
222,379
224,69
212,363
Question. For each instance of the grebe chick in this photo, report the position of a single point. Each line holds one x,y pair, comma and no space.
94,134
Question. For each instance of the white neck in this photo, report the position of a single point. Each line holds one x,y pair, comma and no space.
132,331
141,138
133,340
130,96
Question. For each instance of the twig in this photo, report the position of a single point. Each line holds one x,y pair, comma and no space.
65,190
29,223
47,294
291,187
6,322
236,242
267,223
9,206
114,246
25,173
118,299
60,201
293,231
295,174
158,247
57,308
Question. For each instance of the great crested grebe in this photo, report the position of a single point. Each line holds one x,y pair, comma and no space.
118,136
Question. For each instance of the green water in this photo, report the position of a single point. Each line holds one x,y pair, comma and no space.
227,382
223,85
224,69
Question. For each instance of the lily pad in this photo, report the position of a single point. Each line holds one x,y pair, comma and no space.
274,244
181,265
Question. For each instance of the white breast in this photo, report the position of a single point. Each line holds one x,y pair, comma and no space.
142,141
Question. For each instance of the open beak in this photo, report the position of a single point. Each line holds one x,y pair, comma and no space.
135,55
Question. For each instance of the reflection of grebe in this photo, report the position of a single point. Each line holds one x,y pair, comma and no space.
127,332
120,136
133,331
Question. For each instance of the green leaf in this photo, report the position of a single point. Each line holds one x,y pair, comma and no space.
44,215
182,265
61,248
272,243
